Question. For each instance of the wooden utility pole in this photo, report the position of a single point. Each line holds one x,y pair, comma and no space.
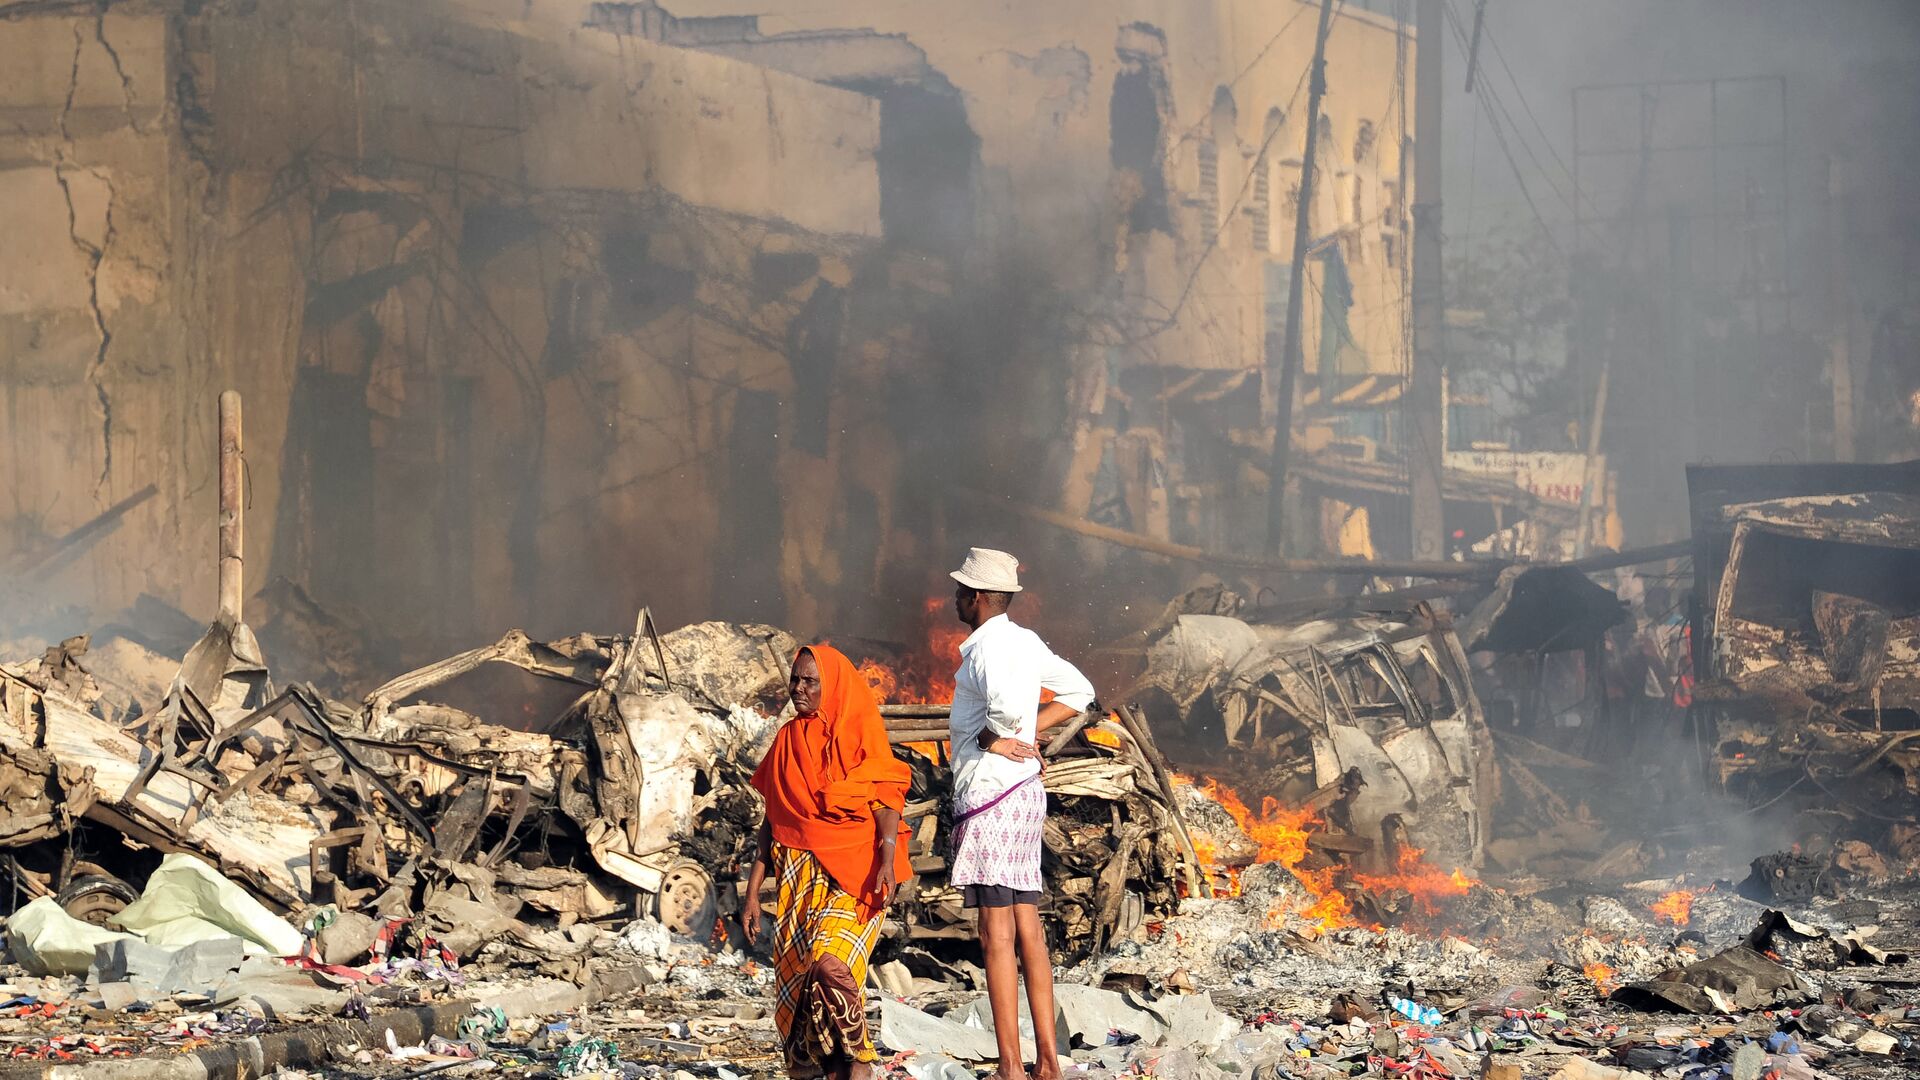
1290,350
1594,478
232,509
1424,407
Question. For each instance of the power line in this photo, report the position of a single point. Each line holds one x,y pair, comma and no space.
1506,151
1491,99
1219,229
1500,55
1268,47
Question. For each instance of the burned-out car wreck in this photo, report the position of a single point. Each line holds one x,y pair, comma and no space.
1374,714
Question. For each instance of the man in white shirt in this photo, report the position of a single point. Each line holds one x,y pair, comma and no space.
999,803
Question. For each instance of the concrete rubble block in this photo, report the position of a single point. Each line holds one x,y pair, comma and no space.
893,978
347,938
192,968
283,991
121,996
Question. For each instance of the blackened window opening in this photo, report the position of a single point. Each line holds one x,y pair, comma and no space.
1135,140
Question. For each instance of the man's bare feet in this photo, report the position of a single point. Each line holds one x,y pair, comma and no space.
1046,1070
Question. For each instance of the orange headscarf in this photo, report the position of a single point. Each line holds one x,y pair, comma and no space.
823,774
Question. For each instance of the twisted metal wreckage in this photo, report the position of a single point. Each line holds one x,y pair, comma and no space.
633,801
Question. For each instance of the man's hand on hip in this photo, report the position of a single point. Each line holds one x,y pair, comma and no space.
1011,749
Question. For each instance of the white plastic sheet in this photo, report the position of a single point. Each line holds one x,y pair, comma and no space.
187,901
48,941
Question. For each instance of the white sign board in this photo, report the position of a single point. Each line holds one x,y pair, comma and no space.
1549,475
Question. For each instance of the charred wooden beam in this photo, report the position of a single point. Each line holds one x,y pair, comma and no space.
915,734
1163,777
916,712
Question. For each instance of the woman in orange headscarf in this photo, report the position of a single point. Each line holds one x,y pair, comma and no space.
832,839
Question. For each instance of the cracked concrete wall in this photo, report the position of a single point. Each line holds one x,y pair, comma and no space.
1174,264
409,235
89,342
1037,80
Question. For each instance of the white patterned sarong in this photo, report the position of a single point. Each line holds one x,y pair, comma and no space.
1000,845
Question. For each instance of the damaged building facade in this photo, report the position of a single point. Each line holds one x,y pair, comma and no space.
538,308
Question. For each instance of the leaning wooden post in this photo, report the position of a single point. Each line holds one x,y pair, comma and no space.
232,508
1197,883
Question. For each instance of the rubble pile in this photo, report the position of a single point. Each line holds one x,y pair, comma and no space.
1118,850
403,807
414,843
1302,845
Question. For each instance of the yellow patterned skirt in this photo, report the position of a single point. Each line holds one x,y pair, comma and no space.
820,949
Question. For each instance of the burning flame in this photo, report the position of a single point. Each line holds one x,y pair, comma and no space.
927,676
880,680
1423,881
1602,978
1676,907
1282,835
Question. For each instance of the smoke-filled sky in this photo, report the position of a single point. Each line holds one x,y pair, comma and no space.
1843,60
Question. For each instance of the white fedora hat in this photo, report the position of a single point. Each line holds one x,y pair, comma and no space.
989,571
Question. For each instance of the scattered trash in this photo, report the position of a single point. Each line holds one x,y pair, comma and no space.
591,1055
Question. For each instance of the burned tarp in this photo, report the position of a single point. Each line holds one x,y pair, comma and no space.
1541,609
1381,702
1759,972
1737,980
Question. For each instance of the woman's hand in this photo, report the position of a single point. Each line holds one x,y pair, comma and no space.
756,877
882,886
750,917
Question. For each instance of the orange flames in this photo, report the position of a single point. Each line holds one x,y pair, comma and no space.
1601,976
926,678
1423,881
1676,907
880,679
1282,835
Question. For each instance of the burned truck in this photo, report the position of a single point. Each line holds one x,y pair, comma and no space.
1807,634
